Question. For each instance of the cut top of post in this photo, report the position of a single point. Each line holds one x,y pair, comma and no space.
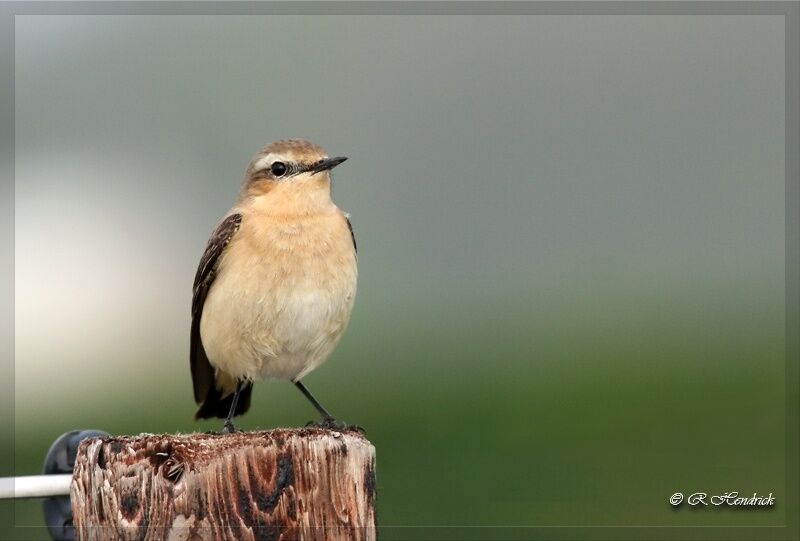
308,483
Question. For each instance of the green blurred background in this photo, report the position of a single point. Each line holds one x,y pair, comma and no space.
571,240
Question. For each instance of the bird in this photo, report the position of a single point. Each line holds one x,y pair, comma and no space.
276,284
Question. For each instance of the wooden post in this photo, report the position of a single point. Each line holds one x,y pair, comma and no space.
307,483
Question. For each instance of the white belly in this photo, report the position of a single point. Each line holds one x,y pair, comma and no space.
263,337
276,312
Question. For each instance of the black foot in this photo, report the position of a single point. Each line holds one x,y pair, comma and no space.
332,424
228,428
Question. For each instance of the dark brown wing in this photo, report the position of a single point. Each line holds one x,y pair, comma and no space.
202,371
352,235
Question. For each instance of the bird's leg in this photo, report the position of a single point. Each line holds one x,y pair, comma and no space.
328,420
326,417
228,427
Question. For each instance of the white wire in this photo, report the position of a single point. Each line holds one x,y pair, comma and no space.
35,486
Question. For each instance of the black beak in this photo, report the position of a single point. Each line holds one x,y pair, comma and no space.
326,164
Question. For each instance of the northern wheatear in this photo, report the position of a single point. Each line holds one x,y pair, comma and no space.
275,287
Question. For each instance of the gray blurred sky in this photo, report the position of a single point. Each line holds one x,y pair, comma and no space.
539,161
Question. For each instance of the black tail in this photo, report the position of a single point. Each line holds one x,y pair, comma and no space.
216,406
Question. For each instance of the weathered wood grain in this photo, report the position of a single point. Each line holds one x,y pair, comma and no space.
282,484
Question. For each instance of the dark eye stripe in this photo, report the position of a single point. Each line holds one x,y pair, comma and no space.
292,169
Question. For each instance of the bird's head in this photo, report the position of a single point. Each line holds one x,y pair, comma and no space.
293,166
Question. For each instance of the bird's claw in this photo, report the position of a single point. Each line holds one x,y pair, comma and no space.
332,424
229,428
358,428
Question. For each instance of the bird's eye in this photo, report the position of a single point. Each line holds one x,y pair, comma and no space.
278,169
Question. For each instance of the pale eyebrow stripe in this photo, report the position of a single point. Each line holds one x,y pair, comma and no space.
293,168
